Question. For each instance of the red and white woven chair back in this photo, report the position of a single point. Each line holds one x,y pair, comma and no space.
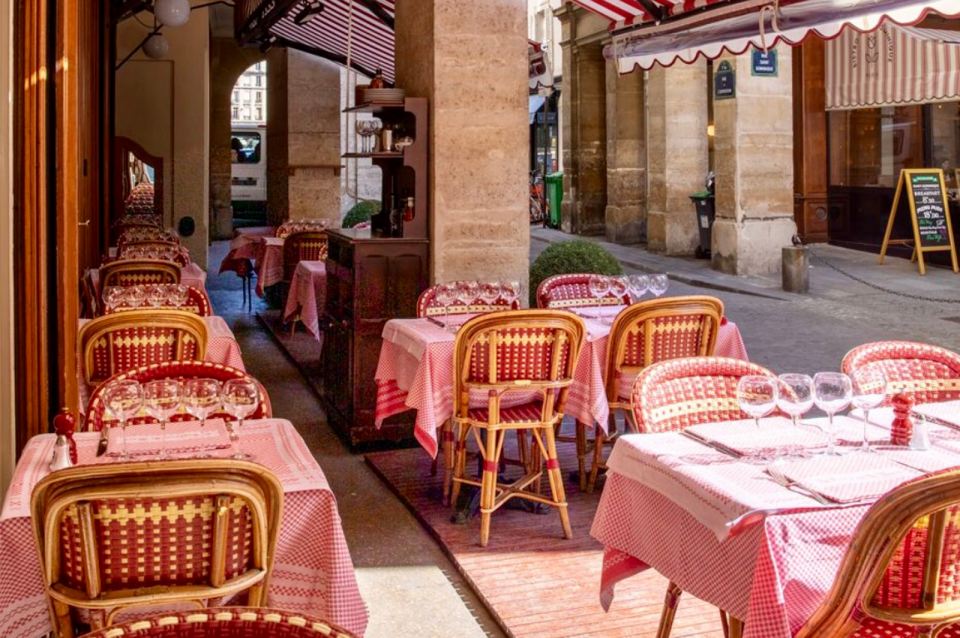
573,291
925,372
97,416
140,233
127,340
138,272
197,302
290,227
900,577
659,330
679,393
121,534
429,306
225,622
307,245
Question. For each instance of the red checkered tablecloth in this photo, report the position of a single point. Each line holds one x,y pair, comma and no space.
244,245
308,292
268,255
312,571
415,371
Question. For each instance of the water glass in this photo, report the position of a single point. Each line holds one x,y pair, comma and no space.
124,399
446,296
869,391
113,297
639,284
489,293
659,284
599,288
832,393
796,395
757,396
156,296
178,295
467,292
201,398
161,400
509,292
619,286
240,399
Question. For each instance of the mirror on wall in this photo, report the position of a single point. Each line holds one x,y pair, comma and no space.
138,181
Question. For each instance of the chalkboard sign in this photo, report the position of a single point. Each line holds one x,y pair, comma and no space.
927,198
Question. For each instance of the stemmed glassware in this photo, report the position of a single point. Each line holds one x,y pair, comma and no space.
757,396
161,400
599,288
659,284
489,293
446,295
796,395
509,291
156,295
134,296
869,391
113,297
179,295
467,293
832,392
639,284
367,129
124,399
619,287
201,398
240,399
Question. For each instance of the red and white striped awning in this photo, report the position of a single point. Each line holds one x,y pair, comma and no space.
733,27
892,66
358,32
622,13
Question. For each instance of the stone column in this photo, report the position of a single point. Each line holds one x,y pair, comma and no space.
583,120
303,137
753,153
626,211
470,60
677,154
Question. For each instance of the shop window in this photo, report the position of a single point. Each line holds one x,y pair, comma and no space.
869,147
945,139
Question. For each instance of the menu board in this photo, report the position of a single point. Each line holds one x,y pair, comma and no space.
929,213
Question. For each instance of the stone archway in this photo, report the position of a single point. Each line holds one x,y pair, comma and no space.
227,62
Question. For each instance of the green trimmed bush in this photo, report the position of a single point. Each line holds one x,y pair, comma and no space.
574,256
361,212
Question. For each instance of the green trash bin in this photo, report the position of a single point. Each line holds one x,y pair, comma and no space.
554,198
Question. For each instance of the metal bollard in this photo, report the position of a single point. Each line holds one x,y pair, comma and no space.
795,269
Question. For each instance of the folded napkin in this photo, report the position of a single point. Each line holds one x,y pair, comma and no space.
182,437
844,479
775,437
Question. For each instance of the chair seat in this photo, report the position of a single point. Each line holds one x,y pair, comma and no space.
523,413
872,628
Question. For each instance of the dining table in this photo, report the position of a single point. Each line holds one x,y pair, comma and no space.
268,258
312,570
307,295
415,370
754,520
244,246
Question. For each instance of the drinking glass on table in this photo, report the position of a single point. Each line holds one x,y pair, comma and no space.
509,291
178,295
489,292
619,286
639,284
599,288
113,297
757,396
161,400
869,391
832,392
446,295
240,399
201,398
796,395
134,296
156,296
659,284
467,293
124,399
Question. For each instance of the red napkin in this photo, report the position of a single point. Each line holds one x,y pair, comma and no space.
66,424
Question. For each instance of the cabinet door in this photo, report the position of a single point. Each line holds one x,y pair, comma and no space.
337,362
406,277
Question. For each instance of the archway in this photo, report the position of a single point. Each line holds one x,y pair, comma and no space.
248,147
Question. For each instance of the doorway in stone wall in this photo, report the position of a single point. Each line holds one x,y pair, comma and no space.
248,147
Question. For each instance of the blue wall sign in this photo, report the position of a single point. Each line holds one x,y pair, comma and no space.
724,82
764,63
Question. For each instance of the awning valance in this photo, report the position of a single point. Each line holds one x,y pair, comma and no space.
892,66
356,31
733,27
623,13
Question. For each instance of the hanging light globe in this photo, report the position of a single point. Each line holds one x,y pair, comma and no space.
172,13
157,46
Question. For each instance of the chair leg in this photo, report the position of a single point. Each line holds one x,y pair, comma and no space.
582,454
443,437
598,438
459,463
670,602
64,628
556,481
488,484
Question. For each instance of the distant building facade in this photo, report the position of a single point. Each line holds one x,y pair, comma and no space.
248,104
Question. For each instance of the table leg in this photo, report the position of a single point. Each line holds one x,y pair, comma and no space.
736,627
670,602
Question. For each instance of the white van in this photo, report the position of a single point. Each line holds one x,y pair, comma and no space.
248,150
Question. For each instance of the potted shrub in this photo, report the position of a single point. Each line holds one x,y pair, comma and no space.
574,256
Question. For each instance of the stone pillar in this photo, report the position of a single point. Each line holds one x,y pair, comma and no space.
677,154
303,137
753,153
626,211
470,60
583,120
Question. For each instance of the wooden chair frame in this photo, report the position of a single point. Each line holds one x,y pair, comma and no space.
570,279
222,479
565,327
879,535
112,271
202,306
887,354
186,322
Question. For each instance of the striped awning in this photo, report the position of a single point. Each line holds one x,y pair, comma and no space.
735,26
354,32
623,13
541,74
892,66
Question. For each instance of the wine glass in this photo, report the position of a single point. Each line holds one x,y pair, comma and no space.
467,293
796,395
134,296
869,391
161,400
489,293
240,399
201,398
179,295
113,297
156,295
757,396
639,284
509,291
659,284
832,392
364,131
446,295
124,399
599,288
619,286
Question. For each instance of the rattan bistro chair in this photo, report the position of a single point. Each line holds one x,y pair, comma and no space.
131,272
573,291
900,577
641,335
97,415
925,372
197,302
677,394
171,250
121,535
304,245
125,341
502,353
226,622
